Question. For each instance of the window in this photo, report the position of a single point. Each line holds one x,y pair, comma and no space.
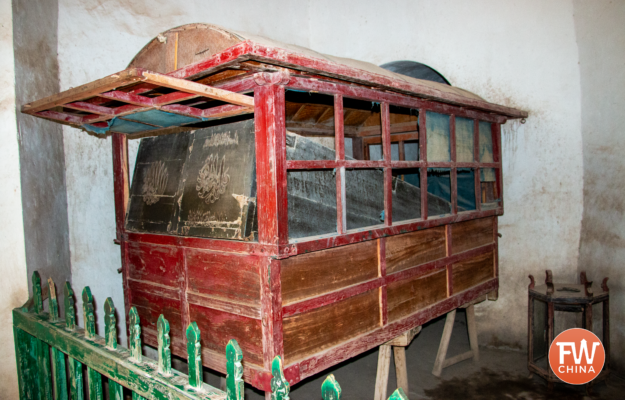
459,171
309,120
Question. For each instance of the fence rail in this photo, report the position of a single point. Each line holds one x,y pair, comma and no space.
44,343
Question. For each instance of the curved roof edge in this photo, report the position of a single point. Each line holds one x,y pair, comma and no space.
254,47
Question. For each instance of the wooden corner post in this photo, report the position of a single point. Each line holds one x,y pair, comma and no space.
271,183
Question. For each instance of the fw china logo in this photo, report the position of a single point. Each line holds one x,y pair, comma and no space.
576,356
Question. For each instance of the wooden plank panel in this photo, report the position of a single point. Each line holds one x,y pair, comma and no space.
150,306
416,248
313,274
156,264
87,90
224,275
199,89
324,327
408,296
468,273
218,327
471,234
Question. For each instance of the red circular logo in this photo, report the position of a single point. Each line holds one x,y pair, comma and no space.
576,356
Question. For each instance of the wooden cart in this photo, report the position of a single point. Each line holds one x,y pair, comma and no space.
306,205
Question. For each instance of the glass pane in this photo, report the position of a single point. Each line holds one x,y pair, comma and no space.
466,189
309,118
406,195
438,137
464,140
411,150
361,122
395,151
375,152
486,142
439,191
364,192
488,183
349,149
312,202
539,331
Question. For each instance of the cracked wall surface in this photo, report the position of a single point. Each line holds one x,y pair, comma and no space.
42,160
600,32
13,285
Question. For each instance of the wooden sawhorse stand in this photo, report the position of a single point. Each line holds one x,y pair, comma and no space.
384,363
441,357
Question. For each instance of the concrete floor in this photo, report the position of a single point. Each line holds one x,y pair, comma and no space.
498,375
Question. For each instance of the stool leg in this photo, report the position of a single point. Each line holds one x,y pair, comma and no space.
384,364
442,349
472,333
401,371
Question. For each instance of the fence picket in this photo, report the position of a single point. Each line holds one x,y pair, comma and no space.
76,390
94,379
164,342
70,307
59,376
234,371
27,364
88,313
135,335
398,394
110,333
194,354
95,384
330,389
53,304
37,298
42,350
75,380
110,324
279,385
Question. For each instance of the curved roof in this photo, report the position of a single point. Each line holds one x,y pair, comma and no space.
197,62
203,42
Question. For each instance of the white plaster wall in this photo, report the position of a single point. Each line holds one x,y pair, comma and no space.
517,53
600,27
13,285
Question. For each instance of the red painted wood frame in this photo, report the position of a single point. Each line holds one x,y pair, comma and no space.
273,222
272,168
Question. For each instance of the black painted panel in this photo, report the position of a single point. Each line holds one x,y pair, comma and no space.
199,183
156,182
219,182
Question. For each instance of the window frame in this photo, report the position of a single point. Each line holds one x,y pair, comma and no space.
340,164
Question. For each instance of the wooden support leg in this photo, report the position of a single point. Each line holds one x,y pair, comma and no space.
381,380
384,363
222,383
442,349
441,358
401,371
473,333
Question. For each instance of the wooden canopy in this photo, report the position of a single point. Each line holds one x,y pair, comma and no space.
185,76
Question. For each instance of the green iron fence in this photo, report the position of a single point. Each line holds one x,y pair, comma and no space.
51,352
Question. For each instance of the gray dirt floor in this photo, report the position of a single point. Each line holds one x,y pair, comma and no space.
499,374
